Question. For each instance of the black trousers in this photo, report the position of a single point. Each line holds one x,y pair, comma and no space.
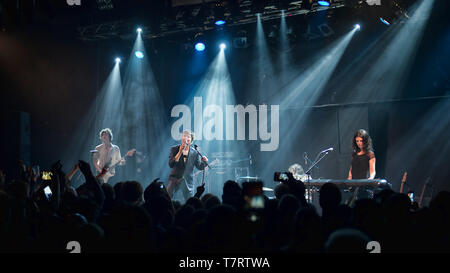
176,184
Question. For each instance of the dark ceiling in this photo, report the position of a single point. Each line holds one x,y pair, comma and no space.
95,20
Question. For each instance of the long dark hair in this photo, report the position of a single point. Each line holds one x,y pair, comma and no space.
367,141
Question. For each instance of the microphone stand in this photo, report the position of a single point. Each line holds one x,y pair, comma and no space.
195,148
309,161
319,158
207,165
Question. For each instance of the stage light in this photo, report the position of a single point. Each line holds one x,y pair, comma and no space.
200,46
223,46
357,27
384,21
139,30
220,22
323,3
117,60
139,54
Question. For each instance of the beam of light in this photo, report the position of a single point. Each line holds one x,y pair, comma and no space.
117,60
386,67
309,85
143,120
208,120
103,113
200,46
266,82
357,27
222,46
139,30
284,44
422,148
301,92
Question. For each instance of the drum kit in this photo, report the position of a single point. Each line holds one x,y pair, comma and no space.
241,173
297,172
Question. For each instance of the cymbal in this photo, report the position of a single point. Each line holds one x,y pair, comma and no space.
267,189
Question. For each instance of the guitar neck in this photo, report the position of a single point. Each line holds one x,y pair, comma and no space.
115,164
403,182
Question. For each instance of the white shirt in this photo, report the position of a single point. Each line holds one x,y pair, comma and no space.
104,157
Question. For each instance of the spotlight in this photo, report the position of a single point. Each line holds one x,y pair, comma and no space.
219,13
324,2
223,46
357,27
200,46
385,21
220,22
117,60
139,30
139,54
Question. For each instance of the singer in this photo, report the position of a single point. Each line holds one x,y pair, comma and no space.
363,157
182,159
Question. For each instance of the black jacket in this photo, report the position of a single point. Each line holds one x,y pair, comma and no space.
185,170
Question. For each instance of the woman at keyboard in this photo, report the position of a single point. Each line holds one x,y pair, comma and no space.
363,157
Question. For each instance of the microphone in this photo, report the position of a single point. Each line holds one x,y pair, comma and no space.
195,146
327,150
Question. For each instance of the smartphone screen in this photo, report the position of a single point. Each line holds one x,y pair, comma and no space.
280,176
257,202
48,192
411,196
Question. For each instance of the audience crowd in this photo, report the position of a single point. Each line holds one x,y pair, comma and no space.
128,218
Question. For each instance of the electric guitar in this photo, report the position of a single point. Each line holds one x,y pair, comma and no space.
425,185
215,162
109,171
403,181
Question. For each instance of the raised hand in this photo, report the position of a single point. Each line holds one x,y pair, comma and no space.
56,167
200,190
84,167
182,146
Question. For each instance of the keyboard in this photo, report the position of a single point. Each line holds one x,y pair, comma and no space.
344,183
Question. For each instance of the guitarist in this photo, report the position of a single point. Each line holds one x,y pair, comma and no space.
182,159
107,153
